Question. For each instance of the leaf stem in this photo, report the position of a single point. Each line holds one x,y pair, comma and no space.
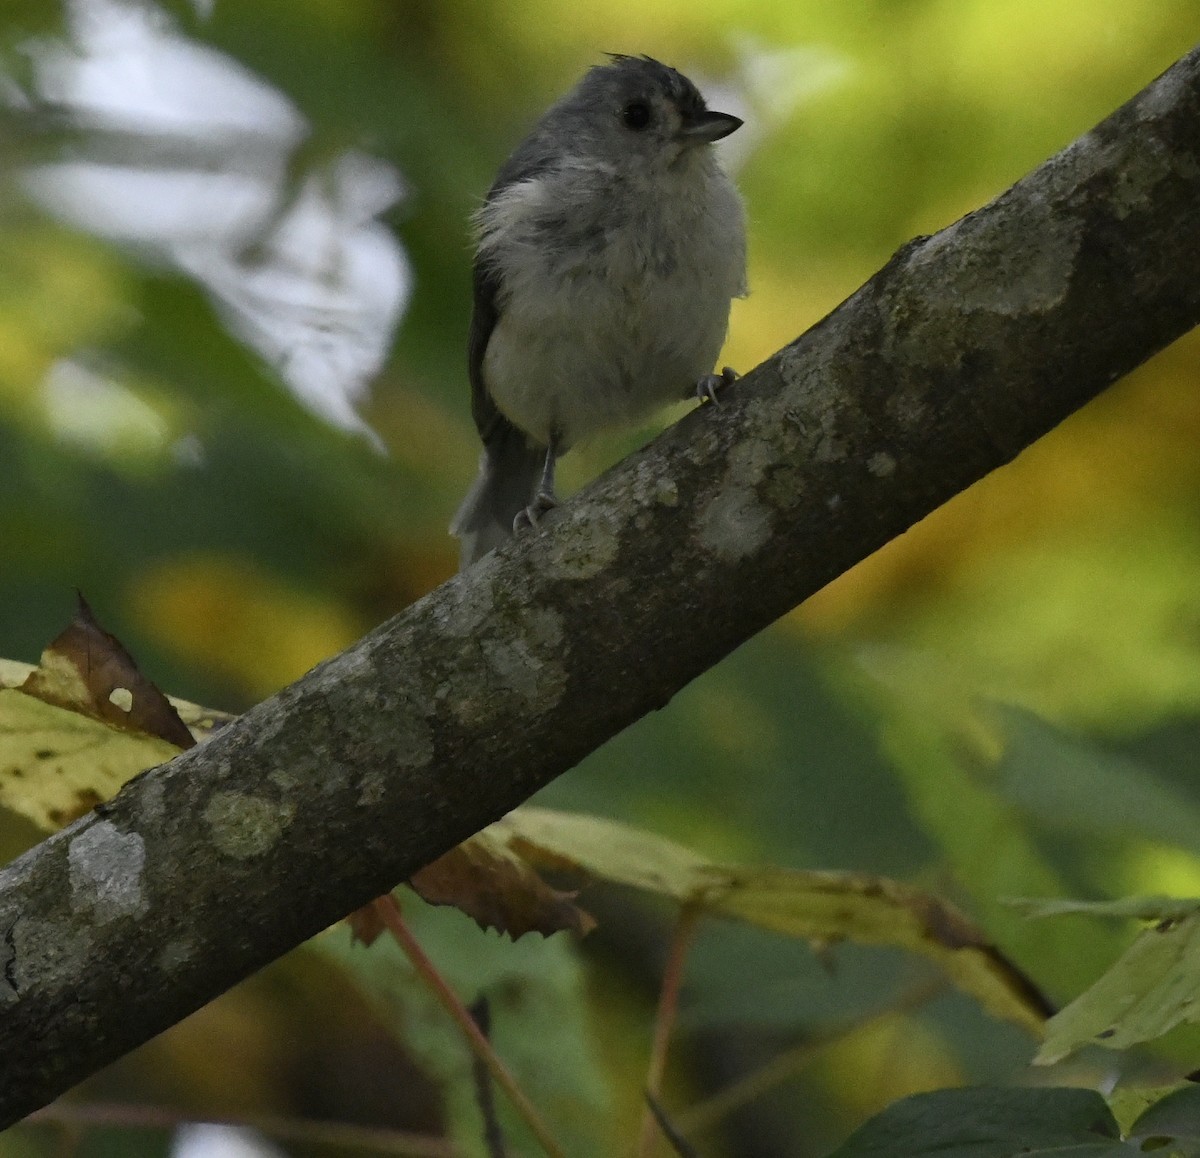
664,1020
389,913
705,1115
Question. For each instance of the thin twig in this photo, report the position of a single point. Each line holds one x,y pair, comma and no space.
485,1089
389,912
682,1146
75,1116
707,1114
664,1021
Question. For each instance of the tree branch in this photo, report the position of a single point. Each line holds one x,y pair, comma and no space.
964,349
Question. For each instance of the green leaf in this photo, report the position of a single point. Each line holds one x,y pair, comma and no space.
946,746
989,1123
1064,780
540,1025
823,907
1100,647
1137,908
1153,987
1129,1103
1173,1122
607,849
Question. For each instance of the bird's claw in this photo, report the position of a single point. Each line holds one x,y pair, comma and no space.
707,389
542,502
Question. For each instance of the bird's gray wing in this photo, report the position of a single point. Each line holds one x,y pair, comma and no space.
530,159
484,314
512,463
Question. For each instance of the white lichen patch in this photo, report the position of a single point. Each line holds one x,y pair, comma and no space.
806,427
42,947
174,955
286,779
105,866
749,461
371,788
581,548
1167,93
526,672
829,448
664,493
987,263
543,628
523,672
734,523
1137,178
881,464
14,876
150,800
467,603
243,825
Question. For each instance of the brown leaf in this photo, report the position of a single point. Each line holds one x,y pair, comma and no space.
495,887
366,924
87,670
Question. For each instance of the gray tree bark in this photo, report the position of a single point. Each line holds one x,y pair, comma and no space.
965,348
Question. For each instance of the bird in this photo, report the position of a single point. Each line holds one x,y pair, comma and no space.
609,249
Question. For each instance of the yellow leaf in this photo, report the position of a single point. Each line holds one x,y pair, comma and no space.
75,728
56,764
822,907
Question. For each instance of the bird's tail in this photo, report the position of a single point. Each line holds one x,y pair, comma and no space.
508,475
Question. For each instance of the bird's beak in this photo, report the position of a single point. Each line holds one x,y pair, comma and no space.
706,127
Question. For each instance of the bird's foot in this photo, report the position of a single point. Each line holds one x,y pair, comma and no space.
708,387
542,502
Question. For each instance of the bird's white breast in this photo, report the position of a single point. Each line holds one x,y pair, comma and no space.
615,292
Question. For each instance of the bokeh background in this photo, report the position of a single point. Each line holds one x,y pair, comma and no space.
234,292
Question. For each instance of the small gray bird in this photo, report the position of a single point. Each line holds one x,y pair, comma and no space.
610,246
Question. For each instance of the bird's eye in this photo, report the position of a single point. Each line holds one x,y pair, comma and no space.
636,115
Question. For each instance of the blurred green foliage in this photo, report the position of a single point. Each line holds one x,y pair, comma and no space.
541,1024
1005,701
